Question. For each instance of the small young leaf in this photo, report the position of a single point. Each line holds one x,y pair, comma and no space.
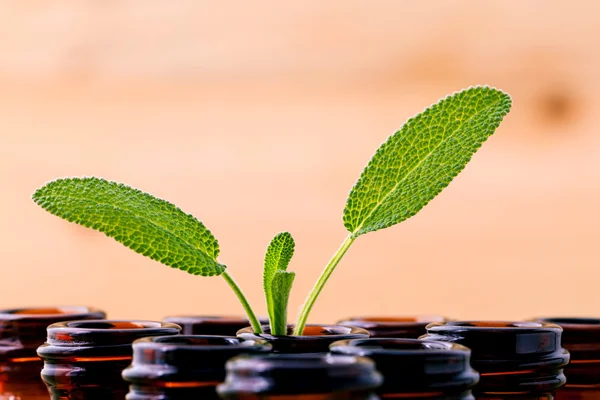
421,159
142,222
278,256
281,285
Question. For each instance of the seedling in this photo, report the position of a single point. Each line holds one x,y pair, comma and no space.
407,171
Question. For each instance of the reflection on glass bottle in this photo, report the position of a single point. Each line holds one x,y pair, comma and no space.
407,327
83,360
416,369
581,337
314,339
210,325
183,367
516,360
300,377
22,331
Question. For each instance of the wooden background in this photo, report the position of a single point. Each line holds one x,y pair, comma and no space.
257,117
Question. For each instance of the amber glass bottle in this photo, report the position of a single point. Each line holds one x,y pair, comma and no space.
300,377
22,331
516,360
183,367
416,369
83,360
581,337
207,325
315,338
393,327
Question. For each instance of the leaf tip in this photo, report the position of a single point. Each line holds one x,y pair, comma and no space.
286,236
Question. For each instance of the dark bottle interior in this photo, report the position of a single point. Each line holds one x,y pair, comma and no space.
83,360
301,377
416,369
22,331
183,367
409,327
210,325
516,360
581,337
315,338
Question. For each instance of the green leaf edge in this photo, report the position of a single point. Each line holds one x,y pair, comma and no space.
281,285
507,106
277,258
37,197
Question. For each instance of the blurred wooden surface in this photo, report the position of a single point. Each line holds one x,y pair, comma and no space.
258,117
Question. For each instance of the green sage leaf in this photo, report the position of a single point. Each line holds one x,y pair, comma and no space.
281,285
417,162
278,256
142,222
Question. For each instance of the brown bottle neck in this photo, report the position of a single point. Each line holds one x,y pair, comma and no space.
321,396
578,393
301,376
314,339
184,366
581,337
21,380
84,359
23,330
210,325
408,327
520,358
517,396
414,368
174,391
426,396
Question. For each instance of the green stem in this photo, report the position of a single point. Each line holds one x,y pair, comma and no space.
316,290
238,292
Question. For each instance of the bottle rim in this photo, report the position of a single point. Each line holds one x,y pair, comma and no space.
50,313
412,366
200,343
586,323
490,326
397,346
281,374
87,339
198,360
23,330
316,338
511,357
311,332
370,322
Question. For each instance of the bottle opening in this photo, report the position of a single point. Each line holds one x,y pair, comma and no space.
122,325
495,324
573,321
399,344
211,325
81,339
42,311
49,311
511,357
314,339
207,319
415,368
394,326
207,341
407,320
314,330
295,361
298,374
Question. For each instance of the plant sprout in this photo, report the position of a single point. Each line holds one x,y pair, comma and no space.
412,167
